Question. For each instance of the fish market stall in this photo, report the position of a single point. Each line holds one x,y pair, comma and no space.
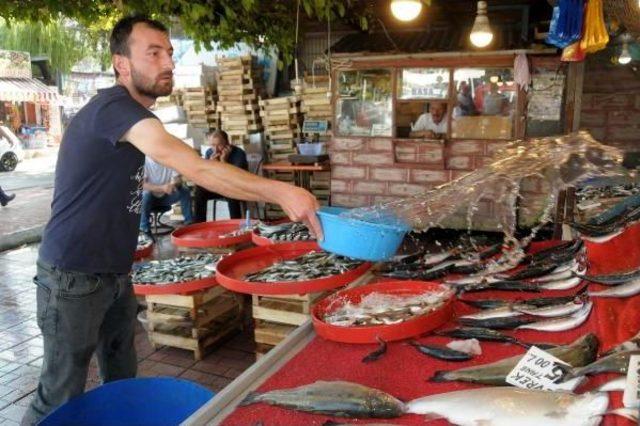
401,373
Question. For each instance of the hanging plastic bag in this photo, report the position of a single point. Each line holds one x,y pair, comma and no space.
595,35
521,74
566,23
573,53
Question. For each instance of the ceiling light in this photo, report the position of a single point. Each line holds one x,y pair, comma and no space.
406,10
625,56
481,34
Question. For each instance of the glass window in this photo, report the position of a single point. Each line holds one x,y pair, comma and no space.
364,103
485,103
423,83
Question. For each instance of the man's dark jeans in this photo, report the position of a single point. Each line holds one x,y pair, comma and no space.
80,314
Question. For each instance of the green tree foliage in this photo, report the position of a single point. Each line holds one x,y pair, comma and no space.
62,43
258,23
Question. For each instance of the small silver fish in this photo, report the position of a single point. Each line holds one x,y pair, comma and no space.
628,289
564,323
563,284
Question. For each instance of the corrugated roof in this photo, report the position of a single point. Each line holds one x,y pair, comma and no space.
442,39
26,90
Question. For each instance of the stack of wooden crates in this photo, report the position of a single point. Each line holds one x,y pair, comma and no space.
193,321
200,107
281,120
277,316
239,87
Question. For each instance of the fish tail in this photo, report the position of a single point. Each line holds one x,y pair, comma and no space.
440,376
251,398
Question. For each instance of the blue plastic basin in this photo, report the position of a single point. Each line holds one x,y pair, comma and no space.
142,402
359,239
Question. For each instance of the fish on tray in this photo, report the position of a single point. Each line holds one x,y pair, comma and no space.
577,354
509,406
292,231
440,352
334,398
175,270
381,308
309,266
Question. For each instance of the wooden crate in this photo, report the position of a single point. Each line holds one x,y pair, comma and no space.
193,321
277,316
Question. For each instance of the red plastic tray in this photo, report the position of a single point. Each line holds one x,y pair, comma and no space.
231,269
207,234
367,334
174,288
259,240
619,254
143,252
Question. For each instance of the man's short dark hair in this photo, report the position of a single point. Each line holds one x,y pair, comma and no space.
219,134
119,40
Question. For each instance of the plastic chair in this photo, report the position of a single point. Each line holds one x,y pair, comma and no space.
142,401
160,228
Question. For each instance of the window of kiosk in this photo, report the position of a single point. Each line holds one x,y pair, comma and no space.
485,103
364,103
419,92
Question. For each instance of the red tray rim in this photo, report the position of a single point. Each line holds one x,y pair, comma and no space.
175,288
143,252
282,288
367,334
178,236
259,240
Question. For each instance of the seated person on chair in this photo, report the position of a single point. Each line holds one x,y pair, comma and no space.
221,150
162,187
432,124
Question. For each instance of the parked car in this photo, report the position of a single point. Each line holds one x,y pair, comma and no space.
11,152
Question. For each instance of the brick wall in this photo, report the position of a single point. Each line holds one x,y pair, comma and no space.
611,101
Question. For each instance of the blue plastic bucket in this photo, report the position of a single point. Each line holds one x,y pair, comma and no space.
143,401
359,239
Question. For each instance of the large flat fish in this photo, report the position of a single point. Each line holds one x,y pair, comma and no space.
508,406
335,398
579,353
617,362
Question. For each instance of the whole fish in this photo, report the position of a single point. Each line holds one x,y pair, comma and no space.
501,285
623,290
334,398
563,323
488,335
559,253
532,272
562,284
534,302
617,362
440,352
577,354
499,312
630,344
503,323
375,355
508,406
486,303
603,238
554,277
474,279
548,301
551,311
613,278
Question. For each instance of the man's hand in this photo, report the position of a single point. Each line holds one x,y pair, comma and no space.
300,205
168,188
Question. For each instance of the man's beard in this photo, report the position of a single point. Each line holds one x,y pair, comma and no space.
149,88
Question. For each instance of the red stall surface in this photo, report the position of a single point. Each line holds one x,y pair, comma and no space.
403,371
143,252
619,254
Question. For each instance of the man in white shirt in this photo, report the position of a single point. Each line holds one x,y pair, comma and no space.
162,186
431,124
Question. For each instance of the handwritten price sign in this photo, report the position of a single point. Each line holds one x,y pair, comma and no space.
539,370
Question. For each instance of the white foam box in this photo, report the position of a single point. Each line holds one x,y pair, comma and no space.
170,114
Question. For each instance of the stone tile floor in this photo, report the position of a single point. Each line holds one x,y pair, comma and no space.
21,343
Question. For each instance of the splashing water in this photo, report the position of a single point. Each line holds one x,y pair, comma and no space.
562,161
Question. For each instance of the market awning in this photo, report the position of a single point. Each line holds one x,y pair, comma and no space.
26,90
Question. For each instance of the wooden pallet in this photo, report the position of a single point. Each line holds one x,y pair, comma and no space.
193,321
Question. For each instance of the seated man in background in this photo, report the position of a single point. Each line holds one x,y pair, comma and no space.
431,124
162,187
221,150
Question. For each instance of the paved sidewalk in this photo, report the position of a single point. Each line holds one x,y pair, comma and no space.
23,219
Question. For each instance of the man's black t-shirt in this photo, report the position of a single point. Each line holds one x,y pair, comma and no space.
95,211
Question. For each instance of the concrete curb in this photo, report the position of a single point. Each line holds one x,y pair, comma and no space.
20,238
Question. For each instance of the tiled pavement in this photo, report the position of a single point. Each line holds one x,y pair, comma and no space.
21,344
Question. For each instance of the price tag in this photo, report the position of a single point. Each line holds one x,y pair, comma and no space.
631,397
539,370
